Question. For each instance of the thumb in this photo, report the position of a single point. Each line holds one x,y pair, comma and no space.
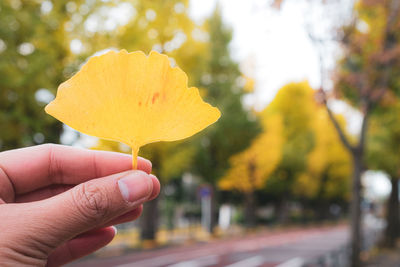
92,204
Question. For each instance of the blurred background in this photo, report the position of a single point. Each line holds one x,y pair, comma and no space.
301,169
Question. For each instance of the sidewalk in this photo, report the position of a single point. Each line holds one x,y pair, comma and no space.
385,258
264,248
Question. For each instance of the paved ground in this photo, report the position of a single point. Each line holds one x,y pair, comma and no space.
385,258
288,248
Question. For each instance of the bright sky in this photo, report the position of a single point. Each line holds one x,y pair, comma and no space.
272,46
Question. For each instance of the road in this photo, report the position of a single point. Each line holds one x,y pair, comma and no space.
283,248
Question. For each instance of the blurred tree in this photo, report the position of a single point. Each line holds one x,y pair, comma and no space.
34,50
384,139
296,105
38,51
251,167
163,26
170,161
328,166
366,76
225,88
249,84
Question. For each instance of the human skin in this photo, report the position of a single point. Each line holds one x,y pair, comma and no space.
59,203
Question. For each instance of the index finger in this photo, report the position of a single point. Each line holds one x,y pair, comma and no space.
31,168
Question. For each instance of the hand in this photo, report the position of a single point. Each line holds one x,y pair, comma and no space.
58,203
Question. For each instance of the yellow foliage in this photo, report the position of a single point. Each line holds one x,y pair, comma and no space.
249,84
306,185
328,160
295,103
313,152
133,99
250,168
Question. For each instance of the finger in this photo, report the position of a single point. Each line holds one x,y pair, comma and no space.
56,164
134,214
43,193
91,204
81,246
156,187
127,217
53,190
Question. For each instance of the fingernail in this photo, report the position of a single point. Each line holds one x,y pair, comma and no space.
154,193
136,185
115,230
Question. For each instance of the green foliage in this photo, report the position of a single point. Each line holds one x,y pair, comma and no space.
235,129
384,139
33,54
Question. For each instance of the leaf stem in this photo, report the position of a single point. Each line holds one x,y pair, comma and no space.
135,152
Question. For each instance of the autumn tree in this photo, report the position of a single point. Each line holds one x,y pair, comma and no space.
163,26
295,103
224,89
383,154
250,168
366,74
326,177
34,51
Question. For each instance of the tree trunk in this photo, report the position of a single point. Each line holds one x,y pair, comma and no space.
149,218
250,210
322,210
282,212
392,215
322,204
250,202
214,211
355,211
357,154
149,221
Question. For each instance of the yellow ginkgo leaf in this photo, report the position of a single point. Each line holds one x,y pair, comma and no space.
132,98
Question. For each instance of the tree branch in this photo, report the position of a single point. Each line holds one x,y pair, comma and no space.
339,129
364,127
